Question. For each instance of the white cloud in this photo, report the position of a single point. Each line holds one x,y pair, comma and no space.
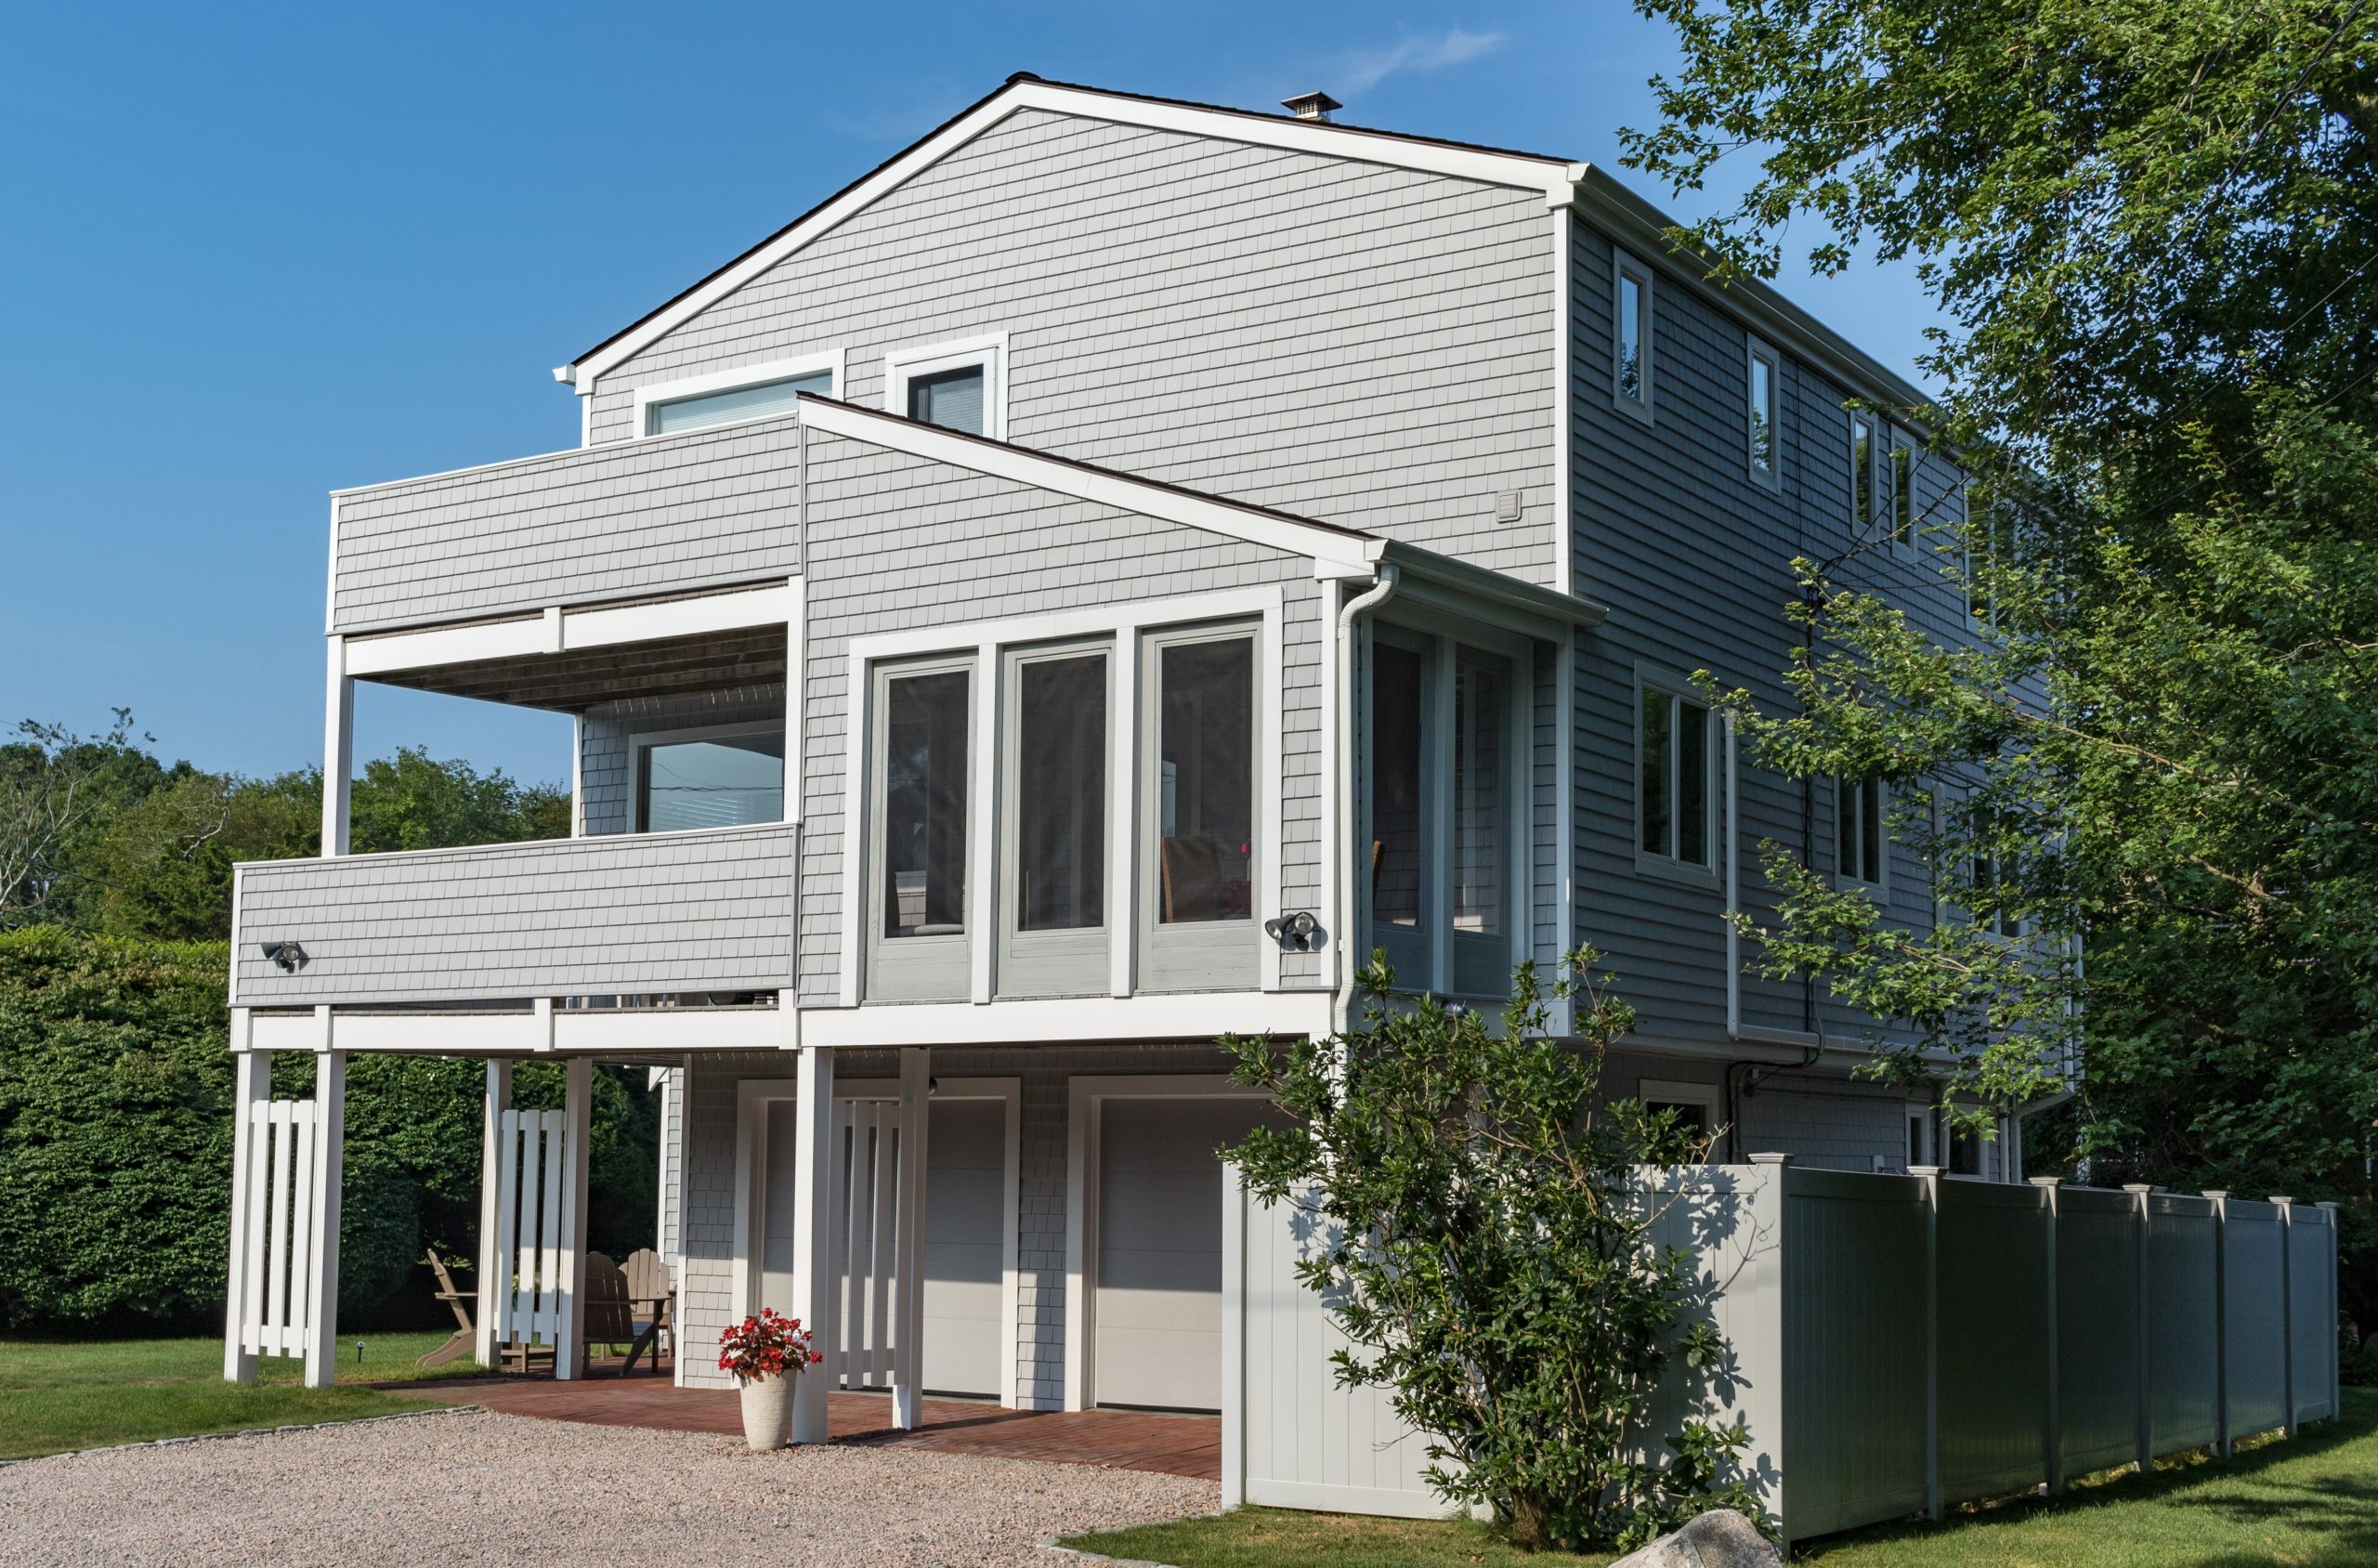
1454,47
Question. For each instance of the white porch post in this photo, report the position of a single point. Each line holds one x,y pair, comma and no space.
908,1335
813,1235
253,1086
577,1108
338,748
322,1213
494,1269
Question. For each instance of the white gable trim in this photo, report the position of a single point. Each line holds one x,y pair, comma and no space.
1299,136
1334,552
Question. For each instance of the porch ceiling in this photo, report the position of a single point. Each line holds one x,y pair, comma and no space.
574,682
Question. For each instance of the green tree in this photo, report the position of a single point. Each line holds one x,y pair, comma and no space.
1488,1257
2152,228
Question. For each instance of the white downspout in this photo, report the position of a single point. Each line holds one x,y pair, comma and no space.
1382,589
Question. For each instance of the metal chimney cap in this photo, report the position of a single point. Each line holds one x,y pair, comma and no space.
1310,106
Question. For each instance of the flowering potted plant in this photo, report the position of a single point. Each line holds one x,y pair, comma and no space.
766,1353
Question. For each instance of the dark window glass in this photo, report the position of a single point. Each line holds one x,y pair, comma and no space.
1630,337
1061,794
718,783
1206,791
1396,694
1692,782
952,400
1651,767
924,805
1862,472
1479,702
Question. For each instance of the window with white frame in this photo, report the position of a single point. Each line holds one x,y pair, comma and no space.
1899,478
1440,808
1859,851
1675,812
1763,416
725,396
1920,1135
1992,552
1198,811
1631,316
1054,702
922,787
723,777
1862,511
1694,1106
955,385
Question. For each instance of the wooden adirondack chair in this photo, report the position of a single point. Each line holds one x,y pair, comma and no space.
653,1299
603,1314
464,1339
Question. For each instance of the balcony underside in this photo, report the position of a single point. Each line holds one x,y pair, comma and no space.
573,680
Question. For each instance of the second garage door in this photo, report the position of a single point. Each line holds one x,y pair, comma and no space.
1159,1313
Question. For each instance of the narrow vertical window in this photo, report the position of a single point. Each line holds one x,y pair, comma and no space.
1656,747
924,805
1861,473
1205,791
1061,794
1479,701
1902,483
1857,829
1631,337
1397,693
1765,413
1692,783
1672,777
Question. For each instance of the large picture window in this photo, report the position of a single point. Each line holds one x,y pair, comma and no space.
716,779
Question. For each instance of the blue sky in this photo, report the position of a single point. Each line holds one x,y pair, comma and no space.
255,252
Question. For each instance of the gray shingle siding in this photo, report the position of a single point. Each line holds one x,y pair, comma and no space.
708,911
1365,344
702,510
900,543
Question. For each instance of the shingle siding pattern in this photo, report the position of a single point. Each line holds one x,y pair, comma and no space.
1694,558
1365,344
707,911
702,510
900,543
706,1289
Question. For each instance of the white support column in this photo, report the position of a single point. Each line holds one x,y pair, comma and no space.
2222,1445
2143,1223
322,1213
812,1233
253,1085
578,1107
908,1301
338,748
494,1269
1930,1175
2052,1439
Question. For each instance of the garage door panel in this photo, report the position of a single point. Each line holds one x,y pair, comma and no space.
1176,1369
1196,1310
965,1247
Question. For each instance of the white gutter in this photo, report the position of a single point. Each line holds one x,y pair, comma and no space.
1381,590
1735,1029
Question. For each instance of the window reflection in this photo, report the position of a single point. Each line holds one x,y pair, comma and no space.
1061,794
924,805
1207,802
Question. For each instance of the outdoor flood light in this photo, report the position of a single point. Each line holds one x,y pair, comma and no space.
288,955
1295,933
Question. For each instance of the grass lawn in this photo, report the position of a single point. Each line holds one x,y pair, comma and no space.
2311,1503
60,1394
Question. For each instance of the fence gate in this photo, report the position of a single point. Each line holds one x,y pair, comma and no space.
871,1174
275,1208
532,1174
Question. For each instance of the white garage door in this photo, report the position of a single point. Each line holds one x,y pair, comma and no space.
965,1221
1159,1315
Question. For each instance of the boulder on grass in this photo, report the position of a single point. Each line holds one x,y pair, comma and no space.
1720,1538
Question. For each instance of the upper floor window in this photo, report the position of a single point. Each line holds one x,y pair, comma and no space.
1900,479
1199,804
1862,511
725,397
923,772
1989,548
1631,335
721,777
1052,924
1763,430
1440,810
956,385
1674,810
1859,850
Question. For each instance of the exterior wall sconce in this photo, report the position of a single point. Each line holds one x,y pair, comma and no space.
288,955
1297,932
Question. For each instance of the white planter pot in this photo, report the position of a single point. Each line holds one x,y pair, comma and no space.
767,1412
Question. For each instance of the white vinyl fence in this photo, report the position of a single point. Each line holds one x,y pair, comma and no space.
533,1226
1897,1344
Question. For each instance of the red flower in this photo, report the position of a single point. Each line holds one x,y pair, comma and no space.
765,1345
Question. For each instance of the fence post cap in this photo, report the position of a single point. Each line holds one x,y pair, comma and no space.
2139,1186
2216,1193
1925,1169
2328,1203
2045,1180
2280,1197
1770,1159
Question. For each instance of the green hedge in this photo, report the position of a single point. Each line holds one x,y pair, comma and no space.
115,1144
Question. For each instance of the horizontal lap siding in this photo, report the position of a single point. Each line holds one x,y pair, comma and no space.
1694,558
1366,344
900,543
693,511
677,912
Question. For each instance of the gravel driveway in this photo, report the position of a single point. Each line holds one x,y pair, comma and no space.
485,1488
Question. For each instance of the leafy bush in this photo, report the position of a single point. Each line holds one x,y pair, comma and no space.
1489,1256
115,1144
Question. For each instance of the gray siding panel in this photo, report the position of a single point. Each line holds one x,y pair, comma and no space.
900,543
702,510
705,911
1366,344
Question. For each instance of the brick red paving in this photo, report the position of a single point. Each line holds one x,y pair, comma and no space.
1189,1445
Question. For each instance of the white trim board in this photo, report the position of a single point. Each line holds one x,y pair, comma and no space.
532,633
1083,1097
830,360
989,350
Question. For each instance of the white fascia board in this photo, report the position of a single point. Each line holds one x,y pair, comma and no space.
1197,1015
1341,552
1457,585
595,626
516,638
1296,136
